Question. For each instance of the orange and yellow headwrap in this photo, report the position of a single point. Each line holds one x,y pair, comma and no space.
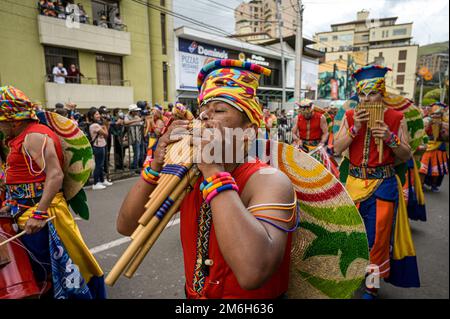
234,82
15,105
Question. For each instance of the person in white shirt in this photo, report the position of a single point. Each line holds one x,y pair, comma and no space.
59,74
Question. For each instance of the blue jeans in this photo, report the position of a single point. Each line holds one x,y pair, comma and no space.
137,155
99,155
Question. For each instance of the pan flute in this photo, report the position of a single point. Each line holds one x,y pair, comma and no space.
376,113
175,181
436,129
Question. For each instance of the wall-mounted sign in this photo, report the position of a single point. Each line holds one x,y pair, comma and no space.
257,59
194,47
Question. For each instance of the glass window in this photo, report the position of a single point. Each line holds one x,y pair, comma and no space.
400,79
107,8
401,67
162,3
402,55
323,39
165,82
402,31
109,70
335,37
163,33
55,55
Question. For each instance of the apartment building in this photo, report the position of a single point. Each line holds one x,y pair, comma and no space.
435,62
120,65
256,21
381,41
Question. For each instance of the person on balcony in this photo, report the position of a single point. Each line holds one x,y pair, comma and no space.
59,73
60,10
47,8
74,75
118,24
103,22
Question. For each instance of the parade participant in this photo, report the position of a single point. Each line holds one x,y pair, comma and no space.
434,163
332,111
180,112
154,126
35,169
374,186
311,128
228,251
310,134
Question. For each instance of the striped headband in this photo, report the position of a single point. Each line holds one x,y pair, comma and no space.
234,82
15,105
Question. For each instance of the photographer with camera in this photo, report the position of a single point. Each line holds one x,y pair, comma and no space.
135,125
117,130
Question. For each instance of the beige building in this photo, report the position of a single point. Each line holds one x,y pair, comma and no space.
256,20
436,62
382,41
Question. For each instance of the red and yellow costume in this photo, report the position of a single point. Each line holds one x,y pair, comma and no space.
434,162
220,281
377,191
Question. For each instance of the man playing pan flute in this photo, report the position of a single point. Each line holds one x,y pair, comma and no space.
434,162
235,226
373,184
62,263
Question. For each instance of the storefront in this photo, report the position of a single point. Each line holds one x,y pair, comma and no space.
193,48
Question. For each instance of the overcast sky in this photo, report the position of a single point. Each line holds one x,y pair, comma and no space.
430,17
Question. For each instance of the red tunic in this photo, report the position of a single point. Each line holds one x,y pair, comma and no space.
221,282
17,171
359,156
310,130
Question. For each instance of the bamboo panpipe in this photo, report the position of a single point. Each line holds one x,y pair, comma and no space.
436,129
376,113
136,262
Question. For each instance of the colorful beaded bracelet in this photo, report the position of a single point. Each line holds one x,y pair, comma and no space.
216,184
351,132
40,215
148,174
393,141
217,191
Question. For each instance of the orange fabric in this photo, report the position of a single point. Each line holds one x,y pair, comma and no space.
379,254
221,282
315,131
437,159
17,171
356,150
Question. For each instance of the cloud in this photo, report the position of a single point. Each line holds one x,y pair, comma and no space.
430,17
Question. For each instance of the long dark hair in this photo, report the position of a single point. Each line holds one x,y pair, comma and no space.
91,113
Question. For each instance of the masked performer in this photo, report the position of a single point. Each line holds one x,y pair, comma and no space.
434,163
373,184
39,160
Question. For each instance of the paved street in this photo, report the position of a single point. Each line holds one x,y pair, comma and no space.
161,274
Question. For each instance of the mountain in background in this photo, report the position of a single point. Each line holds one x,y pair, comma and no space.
438,47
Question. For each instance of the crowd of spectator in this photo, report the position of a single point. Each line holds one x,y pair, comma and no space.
63,9
118,133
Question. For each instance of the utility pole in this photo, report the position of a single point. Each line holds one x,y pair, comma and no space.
298,53
283,66
421,91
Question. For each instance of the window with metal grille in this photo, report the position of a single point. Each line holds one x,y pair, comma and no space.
109,70
55,55
401,67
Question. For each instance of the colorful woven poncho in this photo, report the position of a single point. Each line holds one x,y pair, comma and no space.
234,82
15,105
